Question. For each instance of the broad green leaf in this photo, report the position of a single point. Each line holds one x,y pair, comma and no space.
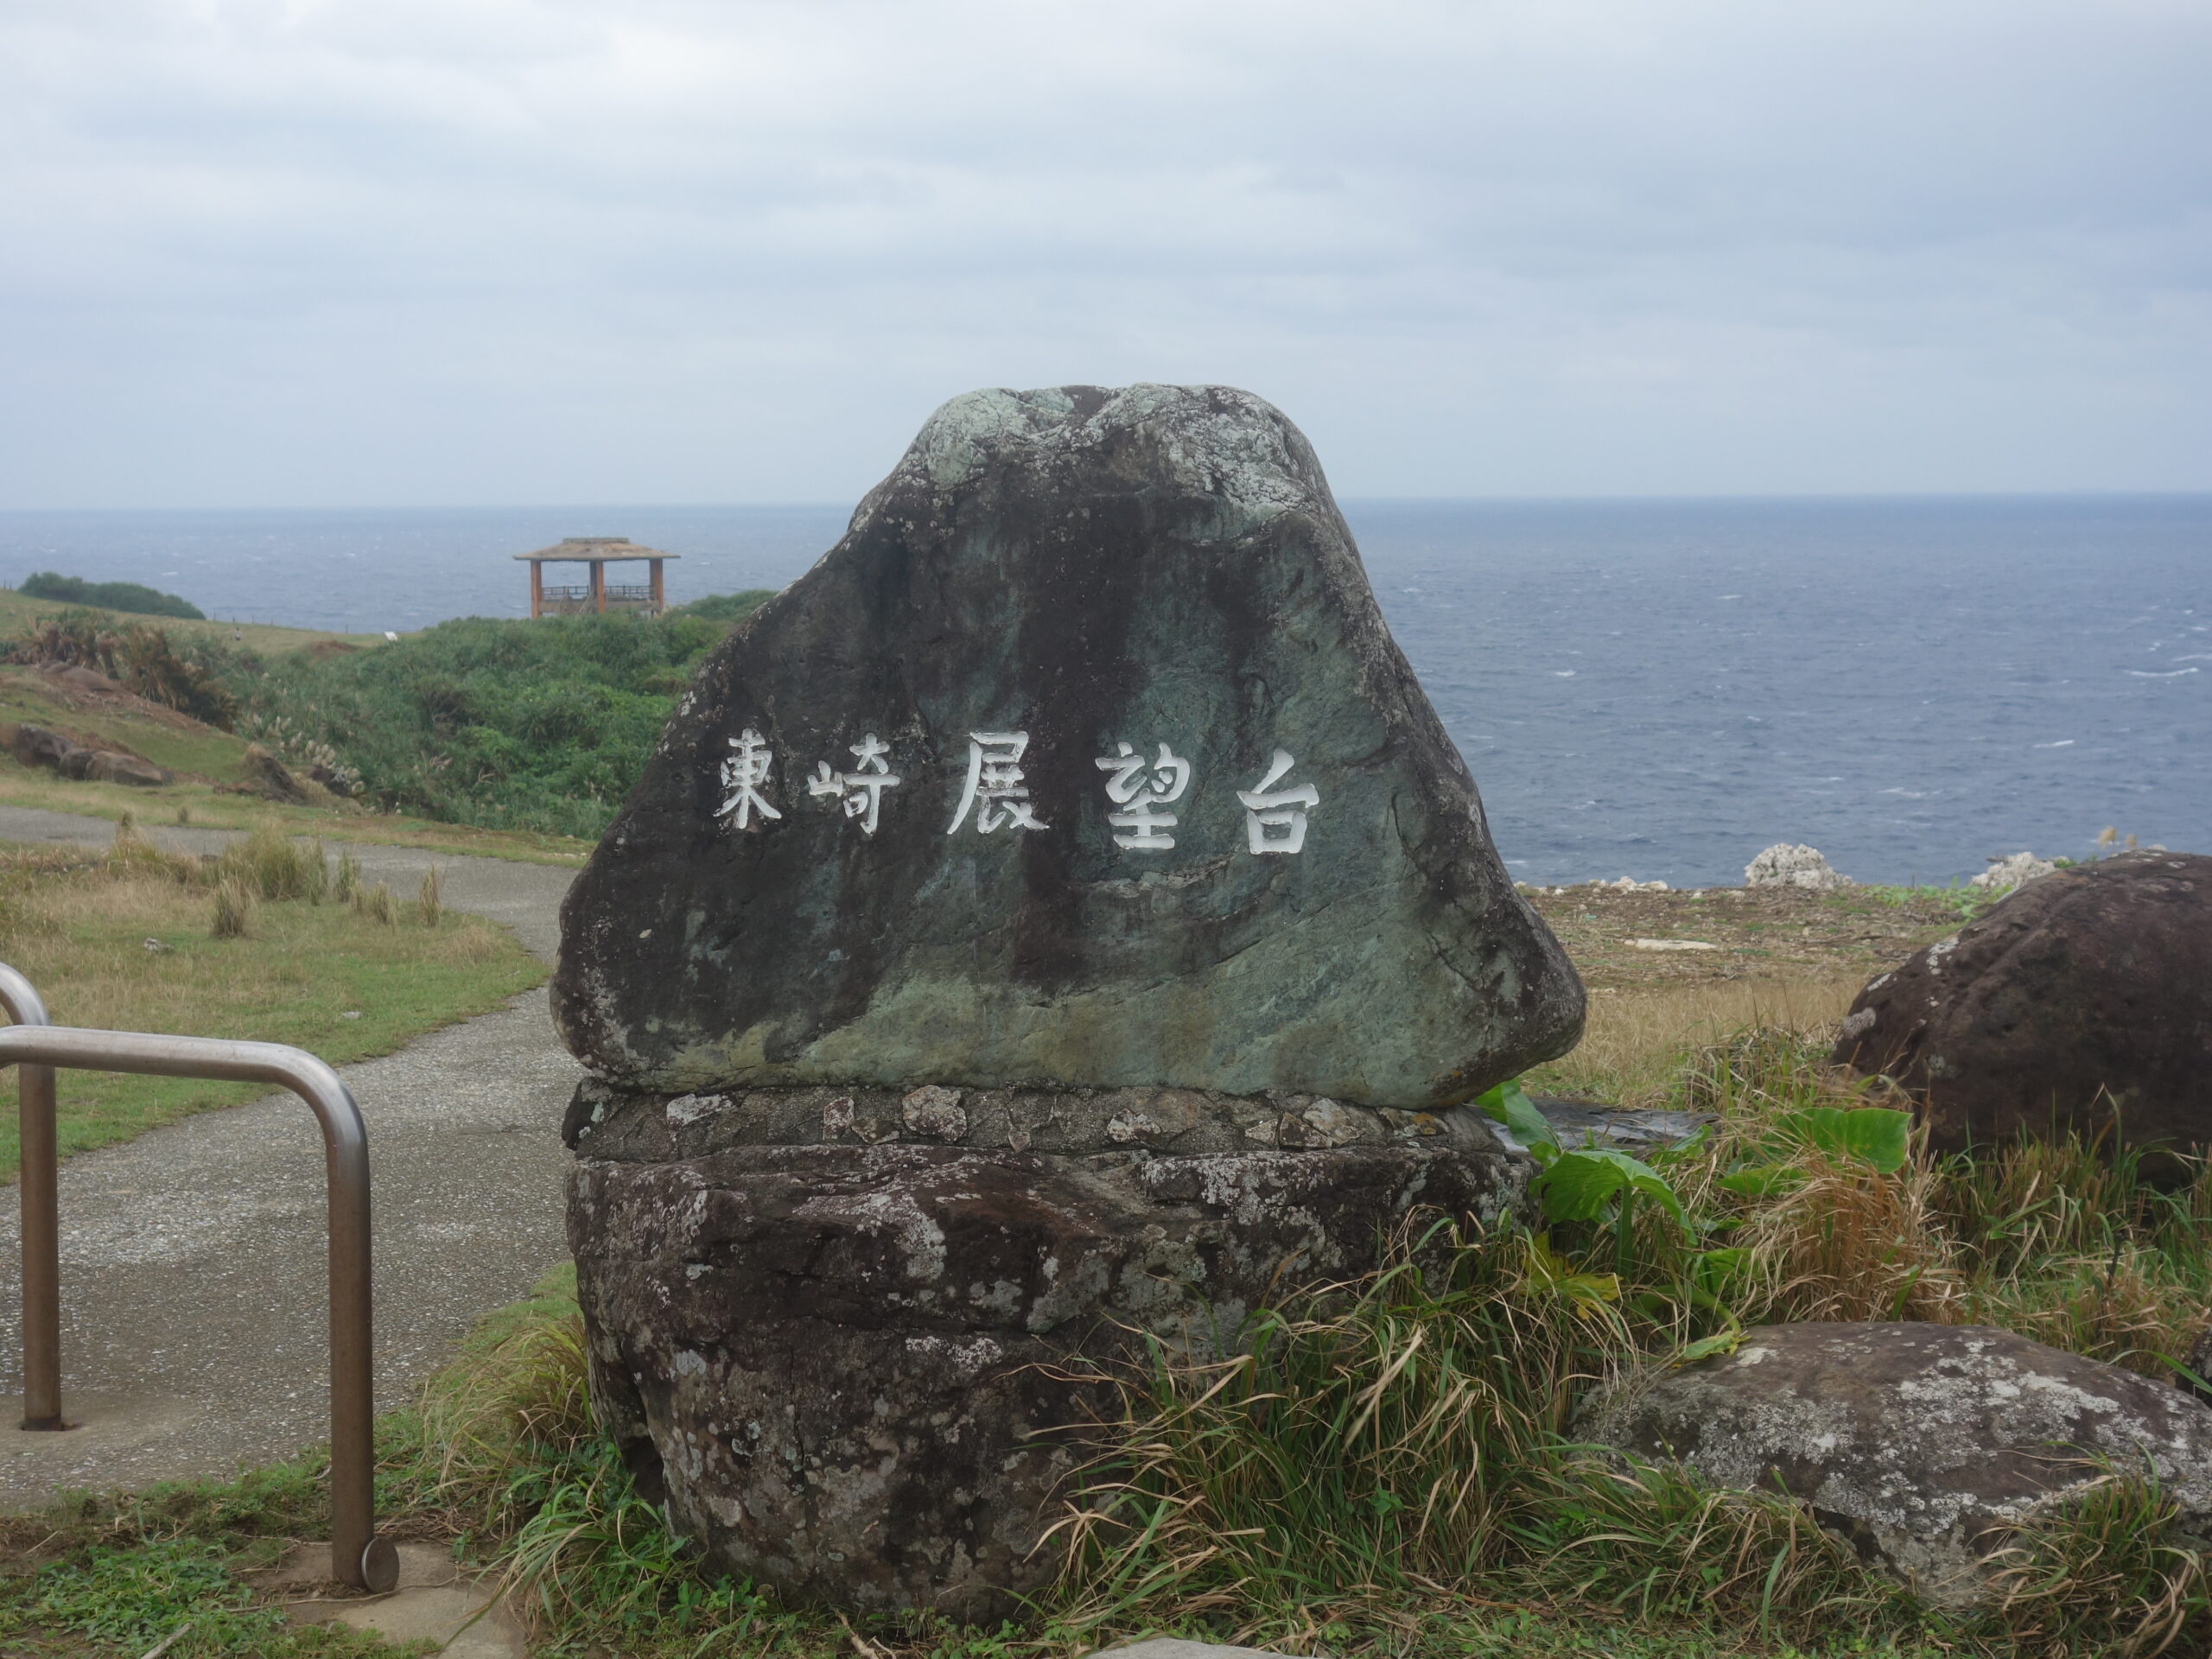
1760,1180
1874,1134
1509,1105
1721,1342
1578,1186
1550,1273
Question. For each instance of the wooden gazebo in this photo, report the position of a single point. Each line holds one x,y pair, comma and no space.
598,595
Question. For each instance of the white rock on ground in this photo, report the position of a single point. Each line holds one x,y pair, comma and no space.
2014,872
1786,866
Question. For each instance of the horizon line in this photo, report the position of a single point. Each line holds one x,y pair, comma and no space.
1623,498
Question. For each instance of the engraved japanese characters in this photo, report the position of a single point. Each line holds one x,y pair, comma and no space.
1136,790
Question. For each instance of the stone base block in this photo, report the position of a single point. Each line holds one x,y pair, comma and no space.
863,1373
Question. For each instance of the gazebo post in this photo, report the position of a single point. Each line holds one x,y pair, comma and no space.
536,590
599,587
659,598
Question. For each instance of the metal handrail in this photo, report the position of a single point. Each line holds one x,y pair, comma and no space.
357,1556
42,1225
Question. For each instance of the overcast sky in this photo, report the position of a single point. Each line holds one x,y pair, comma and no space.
401,253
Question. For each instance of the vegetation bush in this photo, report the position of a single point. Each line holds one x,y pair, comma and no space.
130,596
189,677
517,725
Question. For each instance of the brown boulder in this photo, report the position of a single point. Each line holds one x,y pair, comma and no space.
2082,1003
35,745
266,775
1923,1445
107,766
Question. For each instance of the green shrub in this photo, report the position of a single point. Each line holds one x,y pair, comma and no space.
726,608
130,596
516,725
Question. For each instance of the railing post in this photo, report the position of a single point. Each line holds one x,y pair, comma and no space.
358,1557
38,1182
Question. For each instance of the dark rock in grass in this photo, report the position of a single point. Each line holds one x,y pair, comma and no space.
860,1367
1083,758
108,767
2082,1003
267,776
1922,1445
35,745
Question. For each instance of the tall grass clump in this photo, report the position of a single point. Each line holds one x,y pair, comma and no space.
429,901
277,867
233,910
377,903
1415,1438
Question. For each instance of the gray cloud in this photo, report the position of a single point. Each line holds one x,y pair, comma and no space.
407,252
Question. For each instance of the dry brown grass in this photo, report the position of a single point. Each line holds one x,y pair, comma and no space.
1635,1041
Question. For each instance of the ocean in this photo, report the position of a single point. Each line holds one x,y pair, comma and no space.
1651,689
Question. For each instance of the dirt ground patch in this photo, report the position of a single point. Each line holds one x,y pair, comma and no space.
1777,956
1779,933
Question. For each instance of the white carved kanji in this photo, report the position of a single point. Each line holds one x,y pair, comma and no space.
1140,787
1275,820
743,774
995,786
861,788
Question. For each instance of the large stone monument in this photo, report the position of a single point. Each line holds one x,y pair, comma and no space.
1056,920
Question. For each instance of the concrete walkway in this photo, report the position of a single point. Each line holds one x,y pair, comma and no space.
192,1258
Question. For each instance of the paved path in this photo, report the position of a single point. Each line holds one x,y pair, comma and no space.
192,1258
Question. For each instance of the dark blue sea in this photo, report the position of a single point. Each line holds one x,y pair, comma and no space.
1654,689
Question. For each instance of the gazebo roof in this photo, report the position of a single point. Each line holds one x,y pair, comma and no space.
607,550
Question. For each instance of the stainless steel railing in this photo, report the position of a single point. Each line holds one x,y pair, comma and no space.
357,1556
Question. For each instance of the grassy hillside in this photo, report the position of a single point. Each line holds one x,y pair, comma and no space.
507,725
20,614
211,774
508,738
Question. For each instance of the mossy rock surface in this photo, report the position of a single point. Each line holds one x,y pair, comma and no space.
1282,883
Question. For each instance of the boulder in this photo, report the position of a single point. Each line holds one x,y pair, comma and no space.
267,776
2082,1002
107,766
855,1339
1084,757
1054,924
1786,866
82,678
35,745
2014,872
1922,1445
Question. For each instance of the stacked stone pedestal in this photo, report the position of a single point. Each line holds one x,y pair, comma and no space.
1056,922
860,1369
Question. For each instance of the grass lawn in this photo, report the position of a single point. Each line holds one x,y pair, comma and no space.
76,924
